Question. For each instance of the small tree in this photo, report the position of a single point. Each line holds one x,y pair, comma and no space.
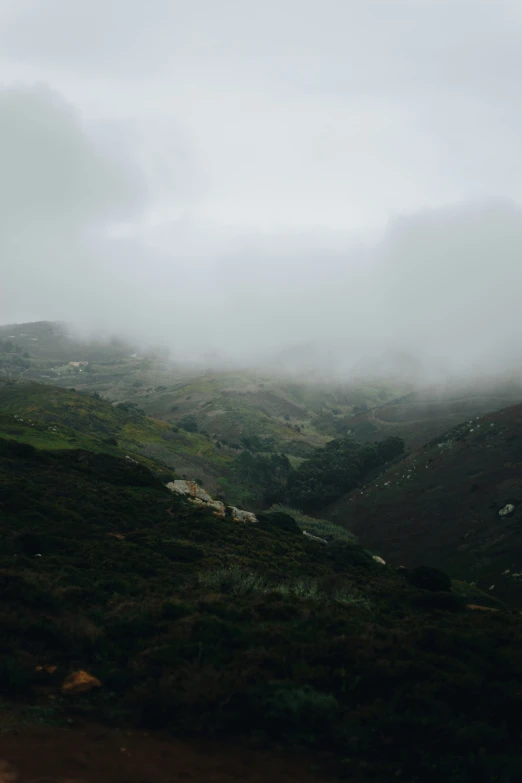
189,423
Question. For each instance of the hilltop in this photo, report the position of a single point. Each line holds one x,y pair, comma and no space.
448,504
268,409
288,413
427,412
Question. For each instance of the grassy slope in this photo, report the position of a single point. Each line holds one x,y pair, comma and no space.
230,405
426,413
101,568
53,418
440,505
227,404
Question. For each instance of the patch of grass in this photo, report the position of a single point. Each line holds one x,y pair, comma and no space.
320,527
238,581
233,580
15,717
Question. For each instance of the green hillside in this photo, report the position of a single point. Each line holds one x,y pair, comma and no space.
212,627
52,418
293,415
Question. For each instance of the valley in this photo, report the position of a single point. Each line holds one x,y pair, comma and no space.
370,644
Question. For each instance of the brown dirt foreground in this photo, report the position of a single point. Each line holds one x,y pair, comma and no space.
95,754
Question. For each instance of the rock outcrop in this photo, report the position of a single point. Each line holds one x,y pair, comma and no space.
200,497
242,516
197,495
80,682
315,538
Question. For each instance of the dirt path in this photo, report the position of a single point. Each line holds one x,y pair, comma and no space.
99,755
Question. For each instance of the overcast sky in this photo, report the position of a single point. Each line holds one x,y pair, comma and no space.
241,175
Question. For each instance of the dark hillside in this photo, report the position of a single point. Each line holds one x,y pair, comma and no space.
215,628
429,412
443,505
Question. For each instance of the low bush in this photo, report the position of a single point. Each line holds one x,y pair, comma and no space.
428,578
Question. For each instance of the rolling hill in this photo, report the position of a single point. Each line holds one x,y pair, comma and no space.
289,412
212,628
446,505
426,412
52,418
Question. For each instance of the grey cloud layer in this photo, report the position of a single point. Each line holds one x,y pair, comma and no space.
239,176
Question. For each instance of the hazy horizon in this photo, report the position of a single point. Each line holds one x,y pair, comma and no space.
239,179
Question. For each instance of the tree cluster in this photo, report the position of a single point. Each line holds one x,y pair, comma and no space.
337,469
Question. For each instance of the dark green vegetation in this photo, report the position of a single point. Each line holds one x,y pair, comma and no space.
226,428
53,418
340,467
446,505
265,476
215,628
216,415
210,627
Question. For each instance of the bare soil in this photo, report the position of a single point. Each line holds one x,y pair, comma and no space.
94,754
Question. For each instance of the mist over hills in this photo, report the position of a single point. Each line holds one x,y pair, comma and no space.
260,390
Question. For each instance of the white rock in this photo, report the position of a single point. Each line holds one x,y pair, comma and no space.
238,515
189,488
507,510
314,538
379,559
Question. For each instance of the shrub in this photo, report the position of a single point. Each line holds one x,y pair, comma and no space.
281,520
234,580
438,601
188,423
174,610
337,469
319,527
347,554
238,581
15,678
303,713
427,578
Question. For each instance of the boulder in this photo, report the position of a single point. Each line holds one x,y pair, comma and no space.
80,682
315,538
200,497
238,515
379,560
46,669
189,488
507,510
